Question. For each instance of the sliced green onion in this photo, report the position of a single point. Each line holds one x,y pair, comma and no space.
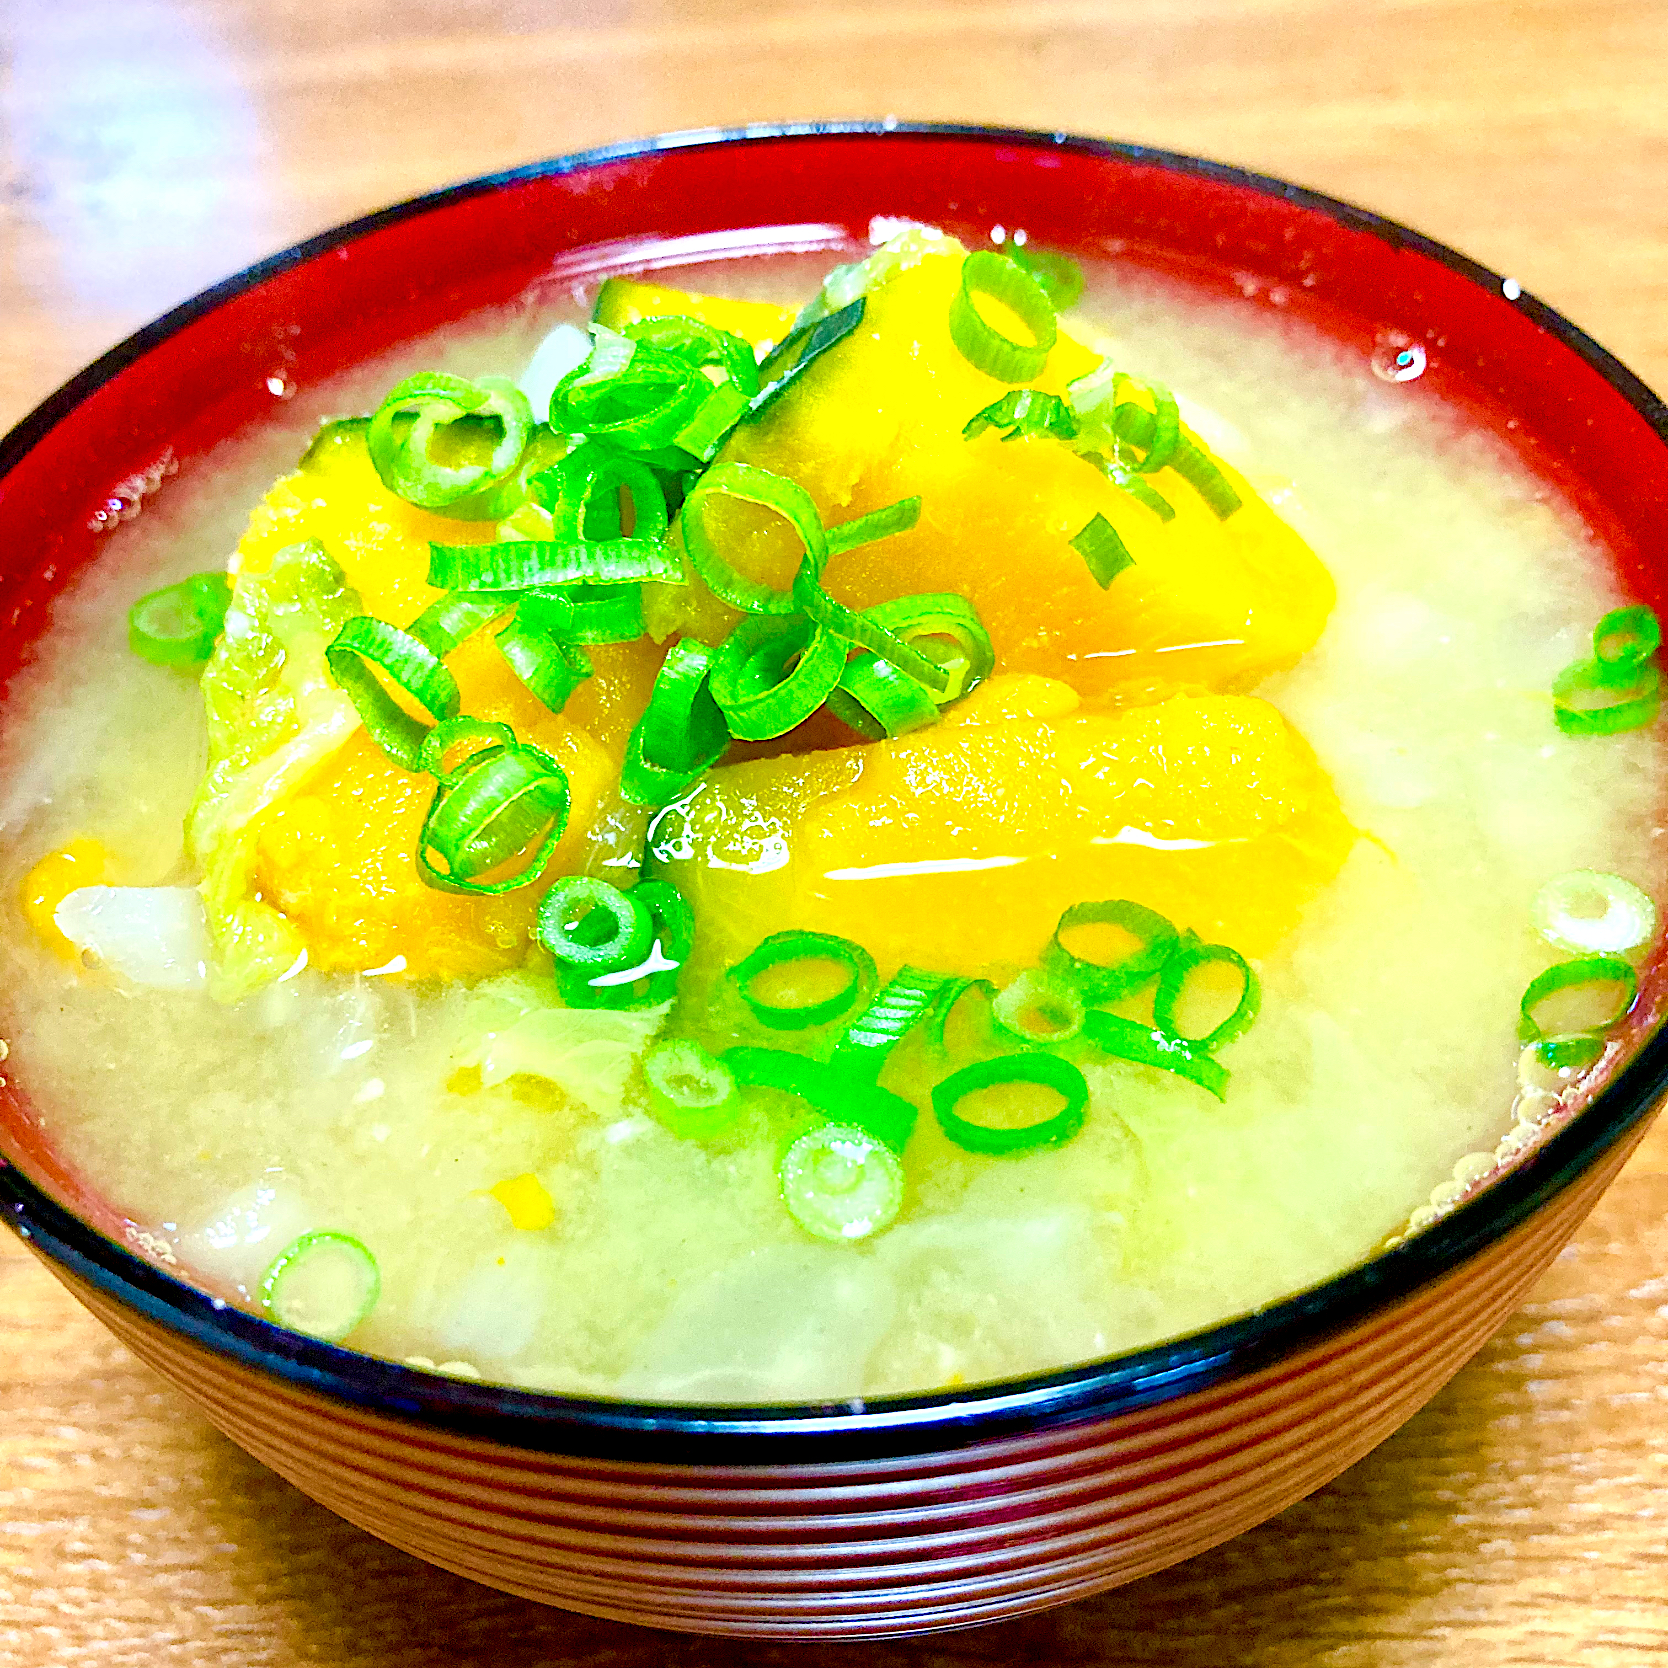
324,1284
699,344
1160,427
1571,975
1101,981
982,345
839,1183
893,1012
1564,913
1047,1069
550,668
586,923
749,484
878,701
839,1094
1586,702
364,643
795,945
582,493
935,614
1025,413
434,758
681,733
876,525
948,998
712,421
861,631
496,807
627,392
1146,1045
523,564
1130,481
1060,276
589,614
1622,643
799,350
404,461
456,617
1037,1009
1103,552
1189,954
178,625
771,674
1190,460
645,983
1569,1051
691,1093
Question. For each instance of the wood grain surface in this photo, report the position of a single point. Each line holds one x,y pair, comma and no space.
152,146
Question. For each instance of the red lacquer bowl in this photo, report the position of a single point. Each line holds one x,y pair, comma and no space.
928,1512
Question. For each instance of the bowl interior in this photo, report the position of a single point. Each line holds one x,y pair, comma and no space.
168,394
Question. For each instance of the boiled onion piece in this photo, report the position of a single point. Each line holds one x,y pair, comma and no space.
153,935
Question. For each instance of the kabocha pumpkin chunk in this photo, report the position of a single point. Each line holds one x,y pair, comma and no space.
1208,601
336,855
958,847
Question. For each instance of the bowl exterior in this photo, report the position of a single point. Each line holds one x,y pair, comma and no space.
871,1549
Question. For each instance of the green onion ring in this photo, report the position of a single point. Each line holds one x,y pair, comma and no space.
178,625
1060,276
1034,992
1130,481
878,701
1146,1045
586,484
1188,954
840,1183
691,1093
797,945
456,617
771,674
1047,1069
437,399
862,631
700,344
550,668
839,1094
892,1013
1099,981
946,1003
1103,552
1570,975
571,913
1623,641
454,732
489,812
1191,461
681,733
876,525
1634,704
749,484
932,614
981,344
523,564
365,642
1628,920
1026,413
1162,430
280,1285
652,980
1569,1051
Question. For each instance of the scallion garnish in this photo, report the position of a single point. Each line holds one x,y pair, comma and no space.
747,484
840,1183
1146,1045
681,733
878,701
1103,552
178,625
1569,1051
799,350
1623,641
949,998
1620,688
1596,970
785,948
876,525
1024,413
1586,911
863,631
691,1093
324,1284
551,668
967,659
523,564
1100,981
893,1012
980,342
1049,1070
637,984
1130,481
501,805
1157,430
411,666
629,393
1188,955
699,344
586,923
1135,424
771,674
405,460
456,617
844,1096
435,757
1037,1009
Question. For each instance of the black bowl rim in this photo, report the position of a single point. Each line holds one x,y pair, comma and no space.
847,1430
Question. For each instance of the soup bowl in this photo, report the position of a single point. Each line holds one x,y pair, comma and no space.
847,1519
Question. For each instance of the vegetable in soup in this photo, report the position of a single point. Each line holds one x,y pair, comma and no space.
827,834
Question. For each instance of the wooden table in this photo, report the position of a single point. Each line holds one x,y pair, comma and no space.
151,146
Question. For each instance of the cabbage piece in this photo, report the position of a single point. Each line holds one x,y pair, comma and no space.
274,717
514,1023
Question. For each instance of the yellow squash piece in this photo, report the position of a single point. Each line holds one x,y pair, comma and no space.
957,848
879,417
337,856
623,301
530,1207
